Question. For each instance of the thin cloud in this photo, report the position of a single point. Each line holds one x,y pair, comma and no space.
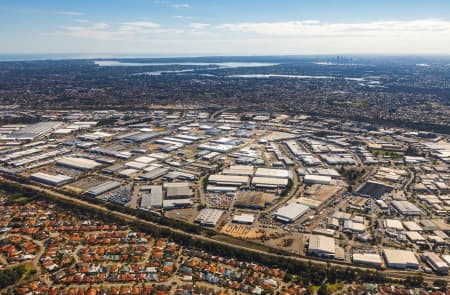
294,37
142,24
133,30
161,2
199,26
71,13
318,29
100,31
180,5
182,17
138,26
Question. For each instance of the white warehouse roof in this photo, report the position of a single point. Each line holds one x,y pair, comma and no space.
56,180
78,163
321,245
209,217
412,226
367,259
406,208
239,170
269,181
145,159
446,258
244,218
272,173
232,179
319,179
393,223
291,212
414,236
400,258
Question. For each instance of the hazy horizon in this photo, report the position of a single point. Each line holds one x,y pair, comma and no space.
224,28
5,57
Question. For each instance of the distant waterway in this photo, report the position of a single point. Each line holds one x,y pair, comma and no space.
280,76
357,79
206,66
116,63
368,80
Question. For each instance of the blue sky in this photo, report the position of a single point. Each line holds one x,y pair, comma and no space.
224,27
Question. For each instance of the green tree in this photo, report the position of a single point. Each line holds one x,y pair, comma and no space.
10,276
414,281
441,284
323,290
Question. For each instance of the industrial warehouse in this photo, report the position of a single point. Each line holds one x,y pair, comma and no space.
277,182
